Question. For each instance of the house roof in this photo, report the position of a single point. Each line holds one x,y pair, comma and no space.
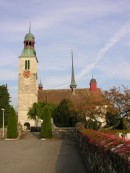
55,96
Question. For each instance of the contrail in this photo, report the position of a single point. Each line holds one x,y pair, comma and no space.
111,42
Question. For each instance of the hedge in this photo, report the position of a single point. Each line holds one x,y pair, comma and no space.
104,152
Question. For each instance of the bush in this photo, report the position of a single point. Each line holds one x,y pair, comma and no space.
124,124
91,125
12,130
46,128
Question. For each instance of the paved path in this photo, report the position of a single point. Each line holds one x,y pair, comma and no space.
31,155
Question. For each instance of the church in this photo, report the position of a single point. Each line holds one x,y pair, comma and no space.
30,92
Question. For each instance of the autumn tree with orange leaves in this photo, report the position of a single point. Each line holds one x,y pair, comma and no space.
92,109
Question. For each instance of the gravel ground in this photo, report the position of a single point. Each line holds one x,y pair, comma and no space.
32,155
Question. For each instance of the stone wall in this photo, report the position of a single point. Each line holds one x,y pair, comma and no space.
65,133
102,158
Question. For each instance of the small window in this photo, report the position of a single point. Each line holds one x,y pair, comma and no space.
26,43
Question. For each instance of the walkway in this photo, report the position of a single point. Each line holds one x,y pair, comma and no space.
31,155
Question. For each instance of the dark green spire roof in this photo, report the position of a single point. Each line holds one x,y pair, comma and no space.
40,84
29,42
73,83
29,36
28,52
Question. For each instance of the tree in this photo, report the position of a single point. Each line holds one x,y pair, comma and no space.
12,130
120,99
37,110
46,128
111,119
92,109
4,103
120,102
64,115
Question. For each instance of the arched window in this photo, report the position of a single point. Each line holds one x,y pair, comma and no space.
27,64
26,43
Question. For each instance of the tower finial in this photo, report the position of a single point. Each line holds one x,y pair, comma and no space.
30,27
73,84
40,86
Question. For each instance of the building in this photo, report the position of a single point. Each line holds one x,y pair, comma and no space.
27,80
29,92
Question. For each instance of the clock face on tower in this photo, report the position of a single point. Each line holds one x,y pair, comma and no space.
26,73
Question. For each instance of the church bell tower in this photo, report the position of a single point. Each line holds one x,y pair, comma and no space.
27,80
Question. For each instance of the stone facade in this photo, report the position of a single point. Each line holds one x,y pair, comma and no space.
27,89
64,133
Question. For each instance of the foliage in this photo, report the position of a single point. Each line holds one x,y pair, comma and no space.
90,124
111,119
106,141
46,128
64,115
12,131
4,103
119,105
93,108
37,110
104,152
123,124
120,99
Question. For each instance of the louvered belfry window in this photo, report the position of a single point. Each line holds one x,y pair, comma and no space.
27,64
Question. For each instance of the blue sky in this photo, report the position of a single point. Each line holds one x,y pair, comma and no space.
98,31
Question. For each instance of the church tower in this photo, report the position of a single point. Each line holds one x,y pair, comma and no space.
27,80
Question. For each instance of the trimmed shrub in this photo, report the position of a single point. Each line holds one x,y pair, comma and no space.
104,152
12,130
46,128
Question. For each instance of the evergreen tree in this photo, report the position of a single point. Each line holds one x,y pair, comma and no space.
46,128
12,130
4,103
64,115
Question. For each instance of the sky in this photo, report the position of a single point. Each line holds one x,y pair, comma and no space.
98,31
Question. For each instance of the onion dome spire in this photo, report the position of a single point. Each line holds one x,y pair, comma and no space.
73,84
29,42
40,86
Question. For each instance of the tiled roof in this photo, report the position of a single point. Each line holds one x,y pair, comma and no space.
55,96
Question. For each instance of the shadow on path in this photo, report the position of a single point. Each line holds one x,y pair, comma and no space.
52,155
69,159
32,135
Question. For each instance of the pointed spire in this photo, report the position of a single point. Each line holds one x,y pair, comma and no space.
30,27
73,84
